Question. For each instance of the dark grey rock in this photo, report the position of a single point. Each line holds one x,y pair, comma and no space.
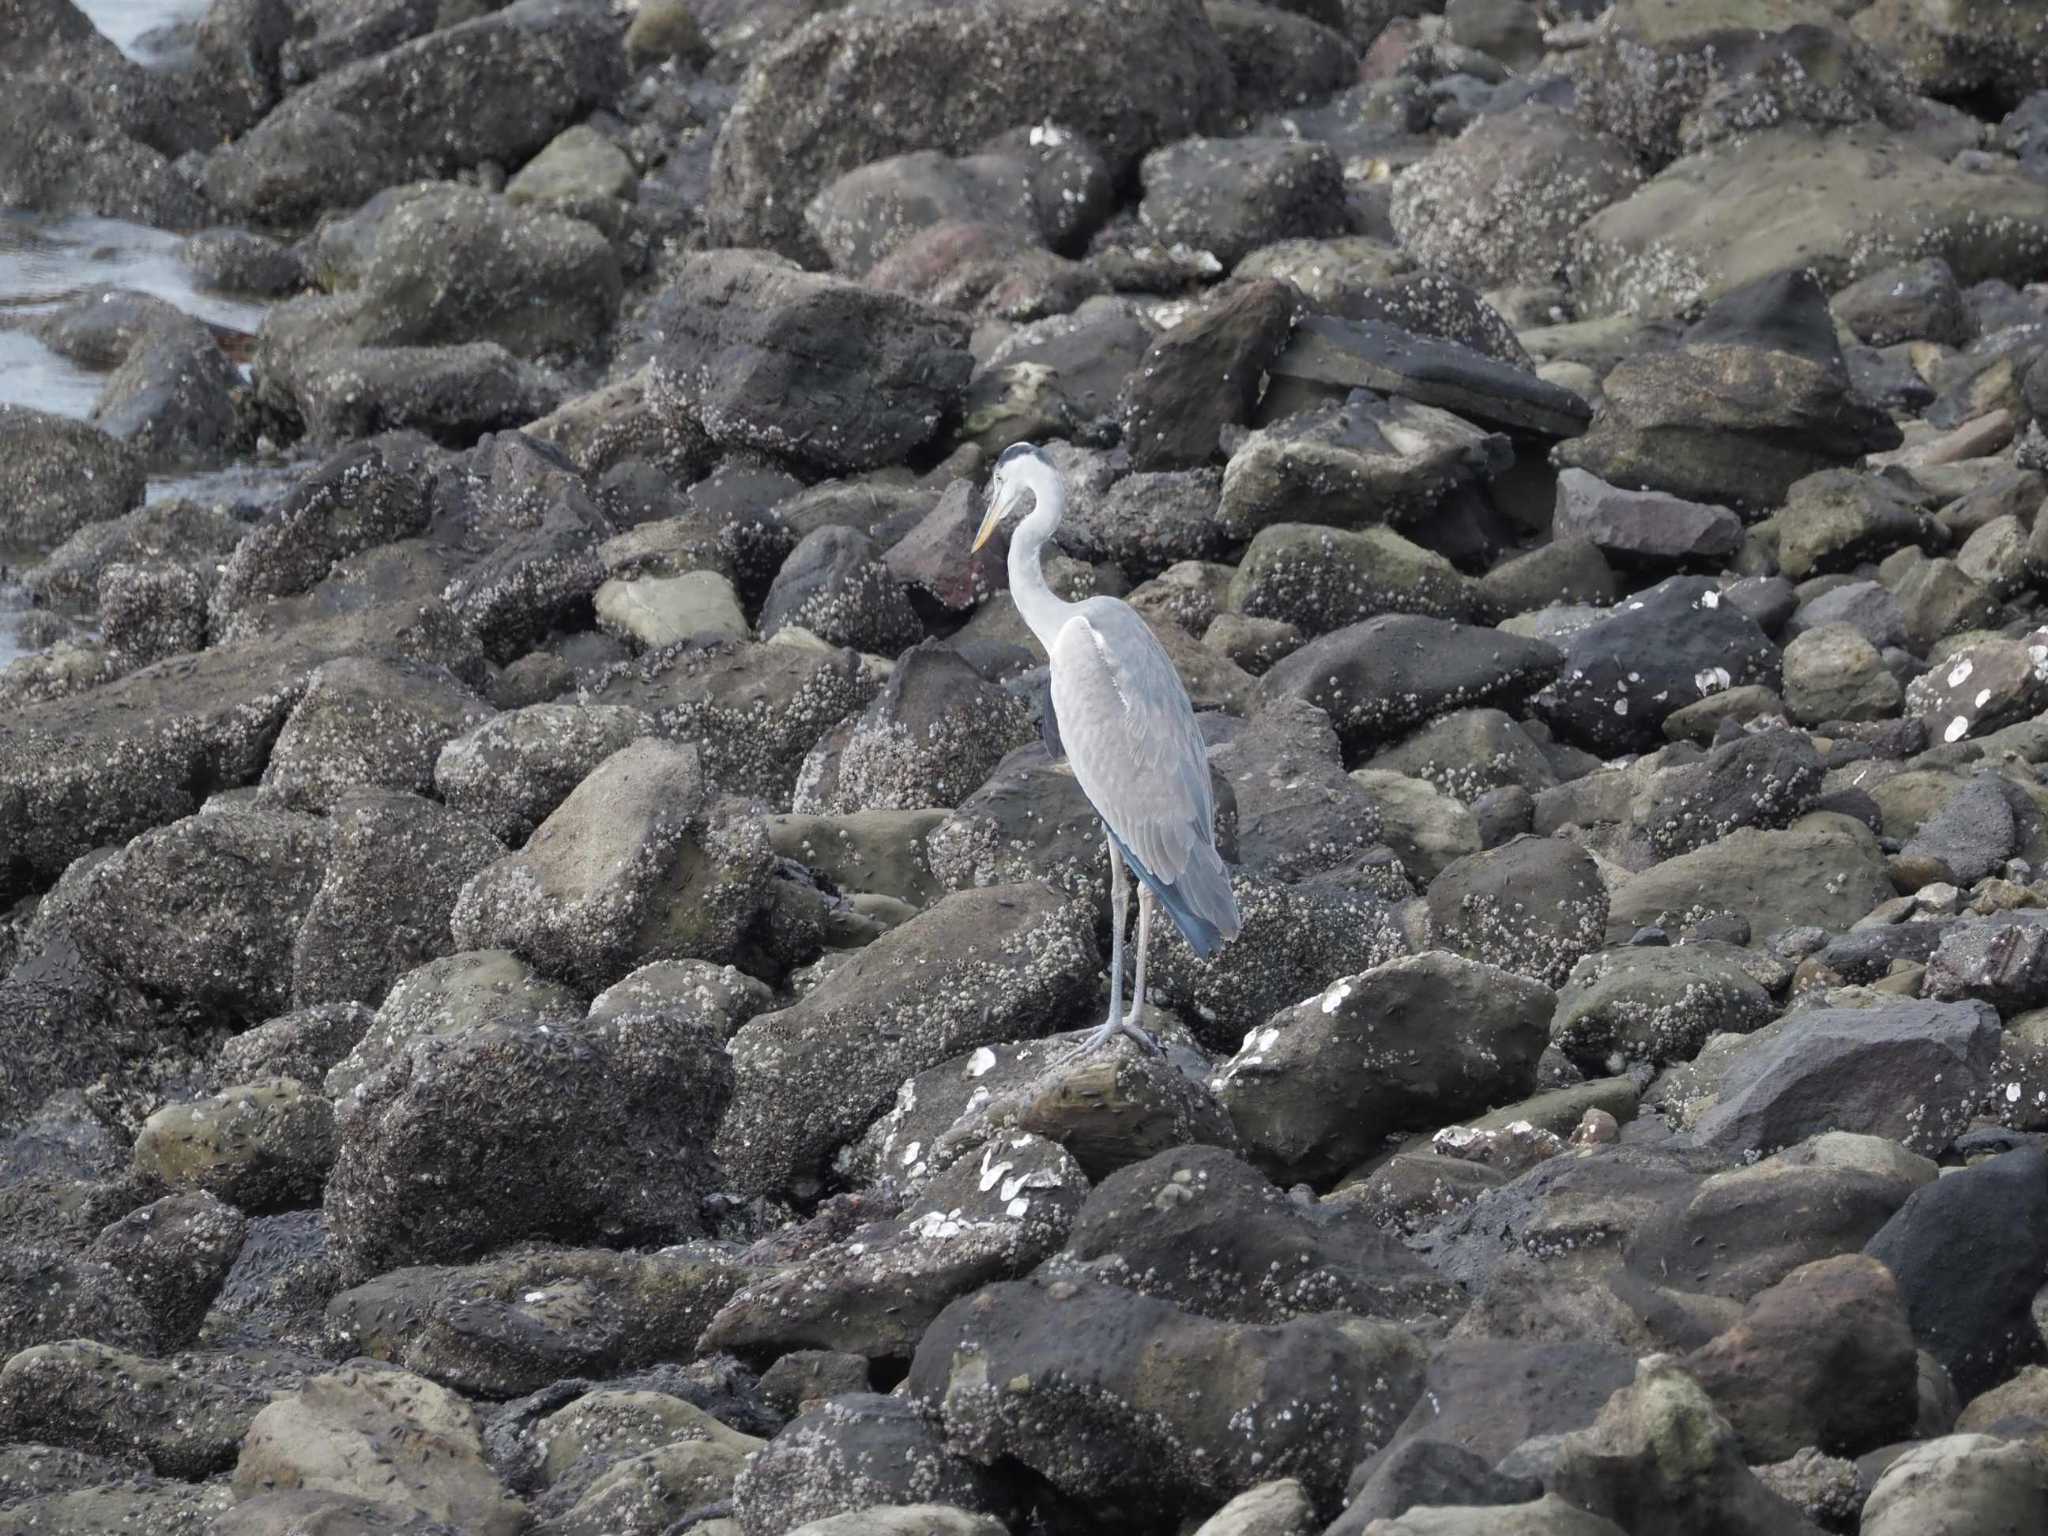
2001,960
987,1218
1470,752
1866,606
200,915
1048,187
1973,833
1372,354
835,585
1297,812
1910,1071
1094,1357
516,1324
1319,578
1741,1231
185,1413
1199,1228
1498,204
65,154
1379,678
412,112
1533,906
978,968
304,1043
1231,196
639,863
1283,56
60,475
513,770
1642,527
175,1254
1362,461
241,261
149,614
1143,75
1916,301
367,722
1427,1472
453,394
1203,374
1966,1251
612,1119
1663,649
370,495
853,1453
370,923
174,399
46,1295
1764,780
1655,1004
1731,415
766,357
1295,938
756,710
935,732
1147,522
1410,1045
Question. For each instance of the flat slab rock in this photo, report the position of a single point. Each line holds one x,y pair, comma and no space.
1369,354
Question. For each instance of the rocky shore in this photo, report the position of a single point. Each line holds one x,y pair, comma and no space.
539,937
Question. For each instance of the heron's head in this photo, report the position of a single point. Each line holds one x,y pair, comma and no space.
1010,487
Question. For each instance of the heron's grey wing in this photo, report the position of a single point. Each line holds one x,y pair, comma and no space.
1130,733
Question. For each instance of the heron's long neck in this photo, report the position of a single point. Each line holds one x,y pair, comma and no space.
1040,608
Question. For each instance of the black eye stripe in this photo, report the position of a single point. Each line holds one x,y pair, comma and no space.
1015,451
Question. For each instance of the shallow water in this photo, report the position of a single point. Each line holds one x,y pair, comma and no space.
130,23
45,261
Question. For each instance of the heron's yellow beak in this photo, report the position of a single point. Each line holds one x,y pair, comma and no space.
997,511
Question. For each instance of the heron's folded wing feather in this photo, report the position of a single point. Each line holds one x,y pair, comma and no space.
1130,733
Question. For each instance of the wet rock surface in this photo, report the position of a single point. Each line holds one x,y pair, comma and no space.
546,922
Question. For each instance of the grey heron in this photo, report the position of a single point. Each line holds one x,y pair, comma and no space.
1127,725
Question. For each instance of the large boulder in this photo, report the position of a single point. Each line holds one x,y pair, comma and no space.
1088,1387
512,1129
386,1434
1823,1358
1410,1045
1128,76
978,968
1199,1228
1824,870
1498,204
1728,419
1533,906
201,915
753,710
57,475
498,87
1909,1071
637,864
765,356
1967,1251
1378,678
1845,202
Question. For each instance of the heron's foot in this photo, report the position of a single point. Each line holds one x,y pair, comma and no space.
1108,1031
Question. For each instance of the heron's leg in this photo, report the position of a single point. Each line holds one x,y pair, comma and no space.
1118,1023
1119,901
1144,944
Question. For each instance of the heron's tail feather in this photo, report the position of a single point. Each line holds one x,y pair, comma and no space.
1201,903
